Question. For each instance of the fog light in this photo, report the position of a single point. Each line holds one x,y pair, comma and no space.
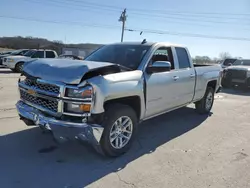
85,107
77,108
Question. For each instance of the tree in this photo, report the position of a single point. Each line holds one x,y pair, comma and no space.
224,55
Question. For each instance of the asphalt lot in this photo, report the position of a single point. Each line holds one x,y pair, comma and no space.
175,150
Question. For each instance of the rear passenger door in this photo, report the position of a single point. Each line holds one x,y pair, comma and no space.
50,54
185,77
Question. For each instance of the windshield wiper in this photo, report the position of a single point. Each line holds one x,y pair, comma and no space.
126,68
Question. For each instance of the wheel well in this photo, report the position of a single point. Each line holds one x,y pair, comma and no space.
212,84
133,101
19,63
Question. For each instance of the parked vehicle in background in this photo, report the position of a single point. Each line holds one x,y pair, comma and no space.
227,62
102,99
15,63
74,57
12,53
5,52
237,74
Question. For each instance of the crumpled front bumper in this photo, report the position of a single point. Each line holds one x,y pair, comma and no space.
62,130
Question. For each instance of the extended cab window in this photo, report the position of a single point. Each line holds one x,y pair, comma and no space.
50,54
163,54
38,54
183,58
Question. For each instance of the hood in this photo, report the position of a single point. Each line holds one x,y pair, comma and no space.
66,70
5,55
239,67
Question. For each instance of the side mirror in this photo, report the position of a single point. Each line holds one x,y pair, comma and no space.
159,66
230,64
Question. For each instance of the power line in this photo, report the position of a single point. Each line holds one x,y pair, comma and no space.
169,11
107,8
63,22
157,17
73,6
182,22
166,11
128,29
154,17
183,18
187,34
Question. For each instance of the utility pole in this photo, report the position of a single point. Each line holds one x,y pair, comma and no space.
123,19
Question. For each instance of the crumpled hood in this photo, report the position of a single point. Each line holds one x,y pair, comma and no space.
63,70
239,67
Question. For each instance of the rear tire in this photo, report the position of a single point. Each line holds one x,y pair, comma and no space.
205,105
114,141
19,67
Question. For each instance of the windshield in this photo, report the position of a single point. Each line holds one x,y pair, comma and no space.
229,61
126,55
18,52
245,62
5,53
29,53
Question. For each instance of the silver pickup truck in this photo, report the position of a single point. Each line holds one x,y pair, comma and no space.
102,99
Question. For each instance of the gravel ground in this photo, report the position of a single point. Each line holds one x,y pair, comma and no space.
179,149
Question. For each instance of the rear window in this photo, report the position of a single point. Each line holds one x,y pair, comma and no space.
50,54
183,58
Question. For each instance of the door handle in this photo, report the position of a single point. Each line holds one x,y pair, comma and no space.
175,78
192,75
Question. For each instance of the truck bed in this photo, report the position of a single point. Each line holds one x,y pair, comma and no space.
203,72
203,65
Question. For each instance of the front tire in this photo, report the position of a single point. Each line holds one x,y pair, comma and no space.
205,105
19,67
120,126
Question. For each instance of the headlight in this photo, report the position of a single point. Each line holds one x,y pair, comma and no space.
10,60
85,92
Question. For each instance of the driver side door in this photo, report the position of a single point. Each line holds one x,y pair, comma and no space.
160,95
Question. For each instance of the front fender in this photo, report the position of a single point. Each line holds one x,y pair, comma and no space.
115,86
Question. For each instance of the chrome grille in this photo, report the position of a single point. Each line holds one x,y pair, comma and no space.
42,86
45,103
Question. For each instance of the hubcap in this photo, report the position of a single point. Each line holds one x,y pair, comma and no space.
209,100
121,132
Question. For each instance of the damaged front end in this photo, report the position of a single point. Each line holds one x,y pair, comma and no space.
57,104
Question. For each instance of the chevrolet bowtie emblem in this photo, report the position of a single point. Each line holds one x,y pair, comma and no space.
31,92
